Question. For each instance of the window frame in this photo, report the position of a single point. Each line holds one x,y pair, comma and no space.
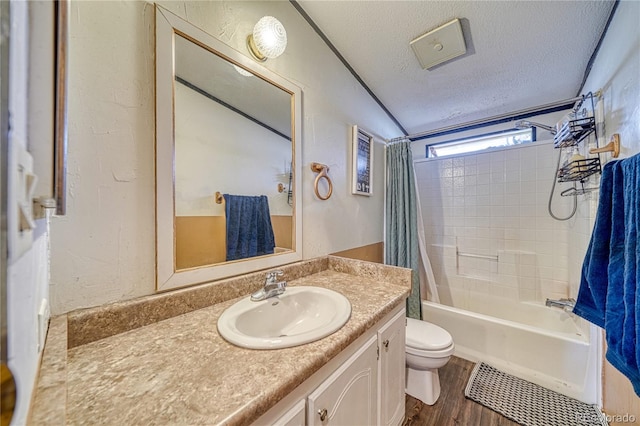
475,138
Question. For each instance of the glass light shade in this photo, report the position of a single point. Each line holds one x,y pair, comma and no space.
242,71
269,37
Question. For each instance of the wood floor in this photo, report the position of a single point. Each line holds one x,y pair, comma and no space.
452,408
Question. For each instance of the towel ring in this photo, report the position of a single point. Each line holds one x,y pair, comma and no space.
322,170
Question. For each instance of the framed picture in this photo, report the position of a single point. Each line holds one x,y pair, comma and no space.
362,145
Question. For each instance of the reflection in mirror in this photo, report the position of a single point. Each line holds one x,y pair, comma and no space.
232,135
225,125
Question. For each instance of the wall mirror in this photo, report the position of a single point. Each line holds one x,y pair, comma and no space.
225,125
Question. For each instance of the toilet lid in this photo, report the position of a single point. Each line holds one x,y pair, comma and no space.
426,336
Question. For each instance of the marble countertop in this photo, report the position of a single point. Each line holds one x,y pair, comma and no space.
181,371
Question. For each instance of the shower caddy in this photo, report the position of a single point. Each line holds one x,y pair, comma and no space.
571,134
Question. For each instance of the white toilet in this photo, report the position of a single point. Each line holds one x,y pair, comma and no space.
428,347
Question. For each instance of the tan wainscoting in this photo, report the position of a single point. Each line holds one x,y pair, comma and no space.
370,253
619,399
200,240
282,230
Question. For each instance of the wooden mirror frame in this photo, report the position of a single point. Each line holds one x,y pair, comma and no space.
168,277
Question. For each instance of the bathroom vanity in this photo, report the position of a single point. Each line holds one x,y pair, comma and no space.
364,384
160,359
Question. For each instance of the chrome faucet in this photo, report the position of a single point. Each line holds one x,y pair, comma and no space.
272,287
566,304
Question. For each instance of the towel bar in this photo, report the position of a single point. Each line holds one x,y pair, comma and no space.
477,256
220,198
613,146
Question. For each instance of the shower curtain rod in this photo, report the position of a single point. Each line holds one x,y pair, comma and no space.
496,119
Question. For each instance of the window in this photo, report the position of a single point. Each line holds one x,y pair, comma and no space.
482,142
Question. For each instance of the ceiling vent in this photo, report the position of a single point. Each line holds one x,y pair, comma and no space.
440,45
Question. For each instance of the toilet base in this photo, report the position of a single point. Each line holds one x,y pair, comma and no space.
423,384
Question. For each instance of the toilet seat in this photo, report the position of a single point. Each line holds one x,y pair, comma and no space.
424,338
441,353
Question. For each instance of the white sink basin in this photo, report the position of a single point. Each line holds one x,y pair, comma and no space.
300,315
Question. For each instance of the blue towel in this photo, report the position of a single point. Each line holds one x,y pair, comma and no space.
249,229
609,293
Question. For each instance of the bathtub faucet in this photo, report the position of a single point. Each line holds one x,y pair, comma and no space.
566,304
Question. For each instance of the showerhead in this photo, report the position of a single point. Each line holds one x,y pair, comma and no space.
524,124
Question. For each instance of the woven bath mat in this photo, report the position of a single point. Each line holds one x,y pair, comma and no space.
527,403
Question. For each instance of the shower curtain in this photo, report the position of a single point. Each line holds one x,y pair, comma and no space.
401,233
428,289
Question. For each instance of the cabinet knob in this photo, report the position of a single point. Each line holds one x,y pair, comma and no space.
323,414
386,344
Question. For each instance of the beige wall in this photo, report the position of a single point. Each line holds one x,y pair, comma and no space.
616,71
204,168
103,250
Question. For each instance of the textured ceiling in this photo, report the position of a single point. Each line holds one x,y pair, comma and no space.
520,54
256,99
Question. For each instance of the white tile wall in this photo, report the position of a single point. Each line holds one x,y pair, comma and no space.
581,228
495,204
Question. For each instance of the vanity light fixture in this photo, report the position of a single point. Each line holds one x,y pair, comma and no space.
268,40
242,71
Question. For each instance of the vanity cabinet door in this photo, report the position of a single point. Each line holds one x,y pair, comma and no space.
349,396
293,417
391,338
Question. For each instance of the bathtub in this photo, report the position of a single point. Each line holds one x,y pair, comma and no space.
543,345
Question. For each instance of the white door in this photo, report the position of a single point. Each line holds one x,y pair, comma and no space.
349,396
